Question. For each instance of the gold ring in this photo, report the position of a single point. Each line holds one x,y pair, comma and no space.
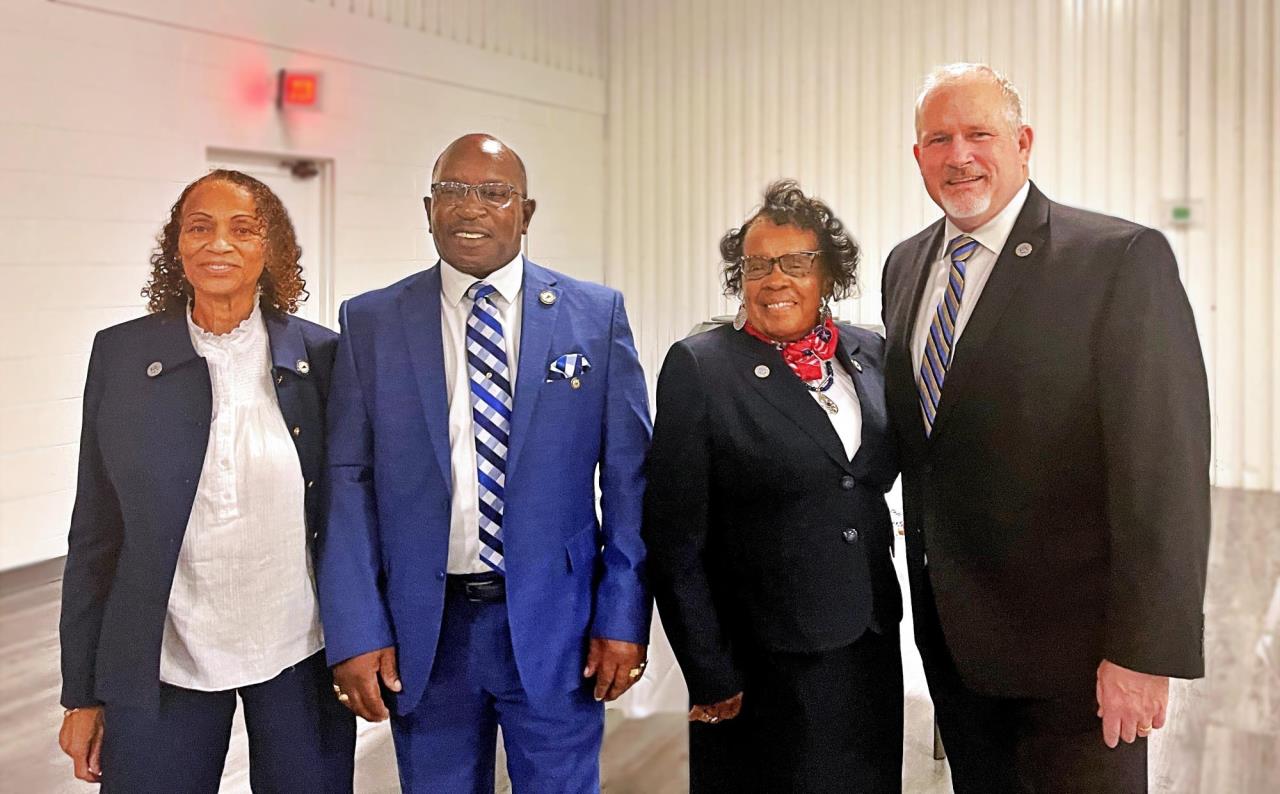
1144,728
635,672
713,718
343,697
337,690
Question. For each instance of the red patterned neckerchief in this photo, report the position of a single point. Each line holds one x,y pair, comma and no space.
807,354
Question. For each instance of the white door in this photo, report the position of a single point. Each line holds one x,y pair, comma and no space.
305,187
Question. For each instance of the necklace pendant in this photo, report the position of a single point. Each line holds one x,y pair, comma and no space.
827,403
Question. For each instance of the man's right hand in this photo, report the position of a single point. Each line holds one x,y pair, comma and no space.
81,739
355,683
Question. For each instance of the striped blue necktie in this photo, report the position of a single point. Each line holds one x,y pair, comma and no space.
939,347
490,414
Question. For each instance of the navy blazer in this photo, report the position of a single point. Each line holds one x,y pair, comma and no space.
762,534
148,403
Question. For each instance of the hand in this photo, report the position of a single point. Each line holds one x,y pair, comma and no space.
717,712
81,739
355,683
1131,704
612,662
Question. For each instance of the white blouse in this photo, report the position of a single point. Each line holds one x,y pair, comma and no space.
848,420
243,604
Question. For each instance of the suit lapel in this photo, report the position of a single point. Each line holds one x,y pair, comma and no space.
537,324
866,404
420,311
787,393
182,403
905,368
1008,275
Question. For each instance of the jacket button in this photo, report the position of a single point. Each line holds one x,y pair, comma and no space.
297,431
851,535
847,482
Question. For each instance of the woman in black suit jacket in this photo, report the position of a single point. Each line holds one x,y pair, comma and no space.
768,534
188,575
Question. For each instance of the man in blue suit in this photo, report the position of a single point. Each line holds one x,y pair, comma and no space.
466,582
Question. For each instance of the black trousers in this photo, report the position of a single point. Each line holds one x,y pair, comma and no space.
300,737
999,745
810,722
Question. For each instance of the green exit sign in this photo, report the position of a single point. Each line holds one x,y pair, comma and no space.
1181,213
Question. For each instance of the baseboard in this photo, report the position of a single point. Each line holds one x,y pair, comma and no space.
30,576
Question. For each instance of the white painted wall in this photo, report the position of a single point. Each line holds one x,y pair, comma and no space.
1134,102
108,107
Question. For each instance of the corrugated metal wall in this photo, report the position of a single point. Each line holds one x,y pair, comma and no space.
562,34
1137,104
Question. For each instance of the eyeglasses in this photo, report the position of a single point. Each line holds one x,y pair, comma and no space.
495,194
796,264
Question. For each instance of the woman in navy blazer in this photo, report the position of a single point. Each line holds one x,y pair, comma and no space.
188,574
766,524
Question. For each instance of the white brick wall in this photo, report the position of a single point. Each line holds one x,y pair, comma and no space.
106,113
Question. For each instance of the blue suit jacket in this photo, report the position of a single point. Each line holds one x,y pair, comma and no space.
142,446
569,575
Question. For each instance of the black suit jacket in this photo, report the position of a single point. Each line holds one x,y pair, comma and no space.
142,447
761,534
1063,497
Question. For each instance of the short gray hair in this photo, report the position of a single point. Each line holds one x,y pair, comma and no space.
964,72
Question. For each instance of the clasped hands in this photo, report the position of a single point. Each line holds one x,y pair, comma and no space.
615,664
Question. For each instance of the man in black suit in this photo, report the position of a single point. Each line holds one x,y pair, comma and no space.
1055,467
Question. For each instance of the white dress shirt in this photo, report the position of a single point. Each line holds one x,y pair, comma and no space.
991,238
848,420
243,603
455,307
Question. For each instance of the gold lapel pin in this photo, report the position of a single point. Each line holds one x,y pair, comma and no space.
154,369
546,297
762,371
303,367
1023,249
576,383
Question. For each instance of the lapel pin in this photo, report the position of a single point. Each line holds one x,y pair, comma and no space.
1023,249
762,371
303,367
857,365
154,368
546,297
576,383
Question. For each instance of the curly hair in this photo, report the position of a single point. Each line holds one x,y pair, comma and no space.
281,284
786,205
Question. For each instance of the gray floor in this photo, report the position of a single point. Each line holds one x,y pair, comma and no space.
1223,736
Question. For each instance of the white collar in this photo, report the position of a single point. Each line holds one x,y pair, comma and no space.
993,234
506,280
247,330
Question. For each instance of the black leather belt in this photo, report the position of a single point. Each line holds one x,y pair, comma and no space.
479,588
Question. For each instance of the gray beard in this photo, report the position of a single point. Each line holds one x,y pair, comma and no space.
966,209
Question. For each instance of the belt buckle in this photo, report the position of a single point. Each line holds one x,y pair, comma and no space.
478,591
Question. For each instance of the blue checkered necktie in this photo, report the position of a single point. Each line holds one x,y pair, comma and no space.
490,381
939,347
